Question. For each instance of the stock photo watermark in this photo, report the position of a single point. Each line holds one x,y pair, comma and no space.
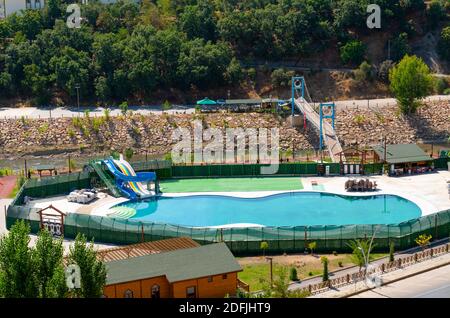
234,145
73,276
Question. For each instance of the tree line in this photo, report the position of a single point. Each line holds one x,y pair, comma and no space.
39,271
129,49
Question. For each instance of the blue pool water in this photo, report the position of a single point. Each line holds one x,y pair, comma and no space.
286,209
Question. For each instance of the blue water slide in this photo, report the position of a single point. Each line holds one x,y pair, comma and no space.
122,180
139,177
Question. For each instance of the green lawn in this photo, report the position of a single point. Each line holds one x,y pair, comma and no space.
231,184
254,274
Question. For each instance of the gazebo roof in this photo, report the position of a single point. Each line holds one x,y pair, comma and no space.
402,153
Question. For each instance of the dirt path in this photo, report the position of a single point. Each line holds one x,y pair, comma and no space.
7,185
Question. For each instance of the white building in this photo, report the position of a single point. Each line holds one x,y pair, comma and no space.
8,7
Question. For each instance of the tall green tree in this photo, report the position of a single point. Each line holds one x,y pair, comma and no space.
92,270
17,276
48,261
444,44
410,81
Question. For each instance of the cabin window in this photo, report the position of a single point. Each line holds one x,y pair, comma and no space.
156,291
28,4
224,276
37,4
128,293
210,279
190,292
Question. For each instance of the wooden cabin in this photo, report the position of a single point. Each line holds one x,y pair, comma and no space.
208,271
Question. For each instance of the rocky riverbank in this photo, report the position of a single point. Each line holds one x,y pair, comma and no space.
153,134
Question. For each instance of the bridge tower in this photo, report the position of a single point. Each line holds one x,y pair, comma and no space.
298,88
328,113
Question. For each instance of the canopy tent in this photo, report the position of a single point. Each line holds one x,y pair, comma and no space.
206,101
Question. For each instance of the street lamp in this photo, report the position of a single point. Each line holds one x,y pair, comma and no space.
77,86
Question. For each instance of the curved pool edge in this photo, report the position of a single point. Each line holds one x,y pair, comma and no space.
425,207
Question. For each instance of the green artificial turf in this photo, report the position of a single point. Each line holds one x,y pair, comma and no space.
231,184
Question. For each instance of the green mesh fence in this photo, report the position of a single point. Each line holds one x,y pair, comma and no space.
51,186
246,241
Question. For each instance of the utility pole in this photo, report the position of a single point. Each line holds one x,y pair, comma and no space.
389,49
270,259
26,170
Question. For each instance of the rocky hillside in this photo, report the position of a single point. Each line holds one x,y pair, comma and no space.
153,134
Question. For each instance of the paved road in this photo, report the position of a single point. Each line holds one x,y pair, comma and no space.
57,112
433,284
45,112
355,269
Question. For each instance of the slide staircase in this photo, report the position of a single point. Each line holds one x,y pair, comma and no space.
329,135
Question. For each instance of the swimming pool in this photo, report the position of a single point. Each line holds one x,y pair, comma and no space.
285,209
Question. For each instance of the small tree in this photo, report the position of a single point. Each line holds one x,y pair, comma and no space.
423,240
124,108
391,252
312,246
410,80
166,105
48,260
264,245
324,261
280,285
360,250
92,270
293,274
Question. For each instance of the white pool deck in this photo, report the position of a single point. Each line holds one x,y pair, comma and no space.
428,191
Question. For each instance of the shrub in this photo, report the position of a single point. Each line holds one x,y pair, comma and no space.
364,72
440,85
340,264
324,261
43,128
129,153
400,47
353,52
310,274
107,114
335,253
124,108
293,274
444,44
71,133
251,74
383,70
166,105
359,119
280,77
391,251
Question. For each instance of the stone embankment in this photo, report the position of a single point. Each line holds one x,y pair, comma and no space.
153,133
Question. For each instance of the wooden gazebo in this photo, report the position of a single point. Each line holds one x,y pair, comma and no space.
52,219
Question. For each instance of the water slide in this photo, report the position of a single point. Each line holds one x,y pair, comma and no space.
128,181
